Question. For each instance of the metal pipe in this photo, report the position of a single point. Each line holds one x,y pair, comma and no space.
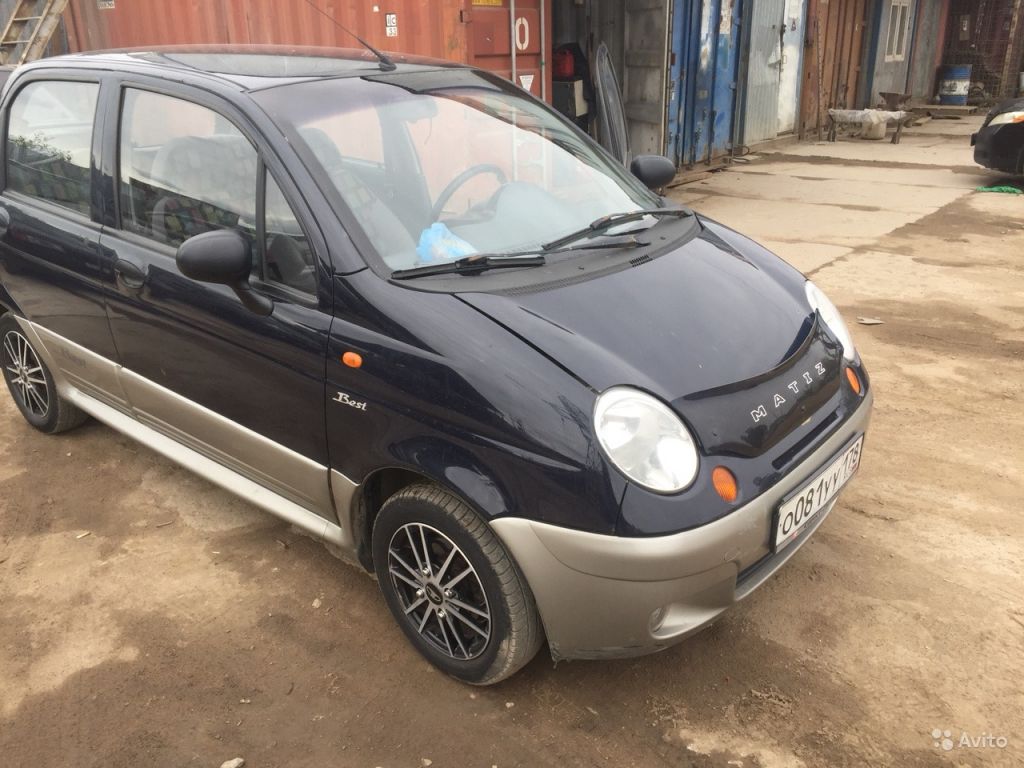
543,51
739,96
512,35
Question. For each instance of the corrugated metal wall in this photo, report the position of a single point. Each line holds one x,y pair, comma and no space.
761,116
705,54
423,27
491,29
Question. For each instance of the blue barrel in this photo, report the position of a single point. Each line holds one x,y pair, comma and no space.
954,83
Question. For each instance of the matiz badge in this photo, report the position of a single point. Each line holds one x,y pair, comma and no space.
341,397
762,413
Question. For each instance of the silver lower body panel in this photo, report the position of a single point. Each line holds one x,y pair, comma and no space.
271,476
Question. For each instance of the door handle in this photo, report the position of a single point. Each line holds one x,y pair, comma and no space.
130,274
5,221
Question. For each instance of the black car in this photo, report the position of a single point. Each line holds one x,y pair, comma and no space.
414,312
999,144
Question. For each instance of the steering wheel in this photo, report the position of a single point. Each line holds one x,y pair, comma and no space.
462,178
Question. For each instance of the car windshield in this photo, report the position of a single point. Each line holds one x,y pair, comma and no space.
438,165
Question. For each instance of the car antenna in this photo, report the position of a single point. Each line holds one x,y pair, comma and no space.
386,64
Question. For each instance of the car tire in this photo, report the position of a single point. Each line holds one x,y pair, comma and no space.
30,383
468,608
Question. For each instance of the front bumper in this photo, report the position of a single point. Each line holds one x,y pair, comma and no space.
1000,147
609,596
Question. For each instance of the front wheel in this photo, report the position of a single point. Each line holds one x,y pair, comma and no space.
452,587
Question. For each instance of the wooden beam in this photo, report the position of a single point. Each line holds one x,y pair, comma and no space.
1012,59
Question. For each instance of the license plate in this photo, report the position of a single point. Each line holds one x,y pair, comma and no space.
806,503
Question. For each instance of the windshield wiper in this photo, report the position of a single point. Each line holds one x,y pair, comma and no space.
611,220
478,262
471,265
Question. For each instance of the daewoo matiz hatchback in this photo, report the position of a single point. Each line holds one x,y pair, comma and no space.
411,310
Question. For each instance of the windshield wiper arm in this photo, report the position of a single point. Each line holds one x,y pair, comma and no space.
611,220
478,262
471,265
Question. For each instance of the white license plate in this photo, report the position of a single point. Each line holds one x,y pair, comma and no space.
806,503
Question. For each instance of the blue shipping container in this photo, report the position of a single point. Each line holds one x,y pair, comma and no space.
705,43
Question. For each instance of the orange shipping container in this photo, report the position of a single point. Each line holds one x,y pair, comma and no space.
499,35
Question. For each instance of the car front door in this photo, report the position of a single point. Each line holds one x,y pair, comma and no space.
243,388
50,262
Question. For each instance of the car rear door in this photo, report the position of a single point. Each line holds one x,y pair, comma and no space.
50,262
245,389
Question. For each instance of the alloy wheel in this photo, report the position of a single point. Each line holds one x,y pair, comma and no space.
440,592
26,374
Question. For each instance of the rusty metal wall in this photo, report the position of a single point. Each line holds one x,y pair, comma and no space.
833,55
423,27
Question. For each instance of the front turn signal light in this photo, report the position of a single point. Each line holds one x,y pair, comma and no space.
851,376
725,484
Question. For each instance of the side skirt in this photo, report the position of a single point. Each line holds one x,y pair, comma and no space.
274,503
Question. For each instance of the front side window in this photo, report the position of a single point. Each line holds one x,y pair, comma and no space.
185,170
49,141
286,258
434,170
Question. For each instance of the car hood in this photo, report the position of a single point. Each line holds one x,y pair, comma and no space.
709,327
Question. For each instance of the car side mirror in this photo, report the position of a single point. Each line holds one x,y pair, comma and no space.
655,171
223,256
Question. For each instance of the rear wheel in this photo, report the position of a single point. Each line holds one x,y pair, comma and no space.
452,587
30,383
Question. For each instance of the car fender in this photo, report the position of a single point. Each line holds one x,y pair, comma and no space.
7,302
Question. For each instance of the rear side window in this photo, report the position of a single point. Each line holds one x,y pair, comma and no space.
49,142
185,170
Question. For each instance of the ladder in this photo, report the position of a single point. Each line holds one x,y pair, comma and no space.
29,29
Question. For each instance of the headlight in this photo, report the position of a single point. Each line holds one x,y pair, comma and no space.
645,440
1004,118
832,318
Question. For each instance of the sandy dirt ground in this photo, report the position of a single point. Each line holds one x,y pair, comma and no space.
187,628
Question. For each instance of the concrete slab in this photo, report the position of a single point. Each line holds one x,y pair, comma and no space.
803,169
866,194
923,150
805,256
796,222
946,127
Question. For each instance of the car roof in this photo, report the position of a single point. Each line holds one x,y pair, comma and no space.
247,67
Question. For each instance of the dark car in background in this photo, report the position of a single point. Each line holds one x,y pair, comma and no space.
411,310
999,143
